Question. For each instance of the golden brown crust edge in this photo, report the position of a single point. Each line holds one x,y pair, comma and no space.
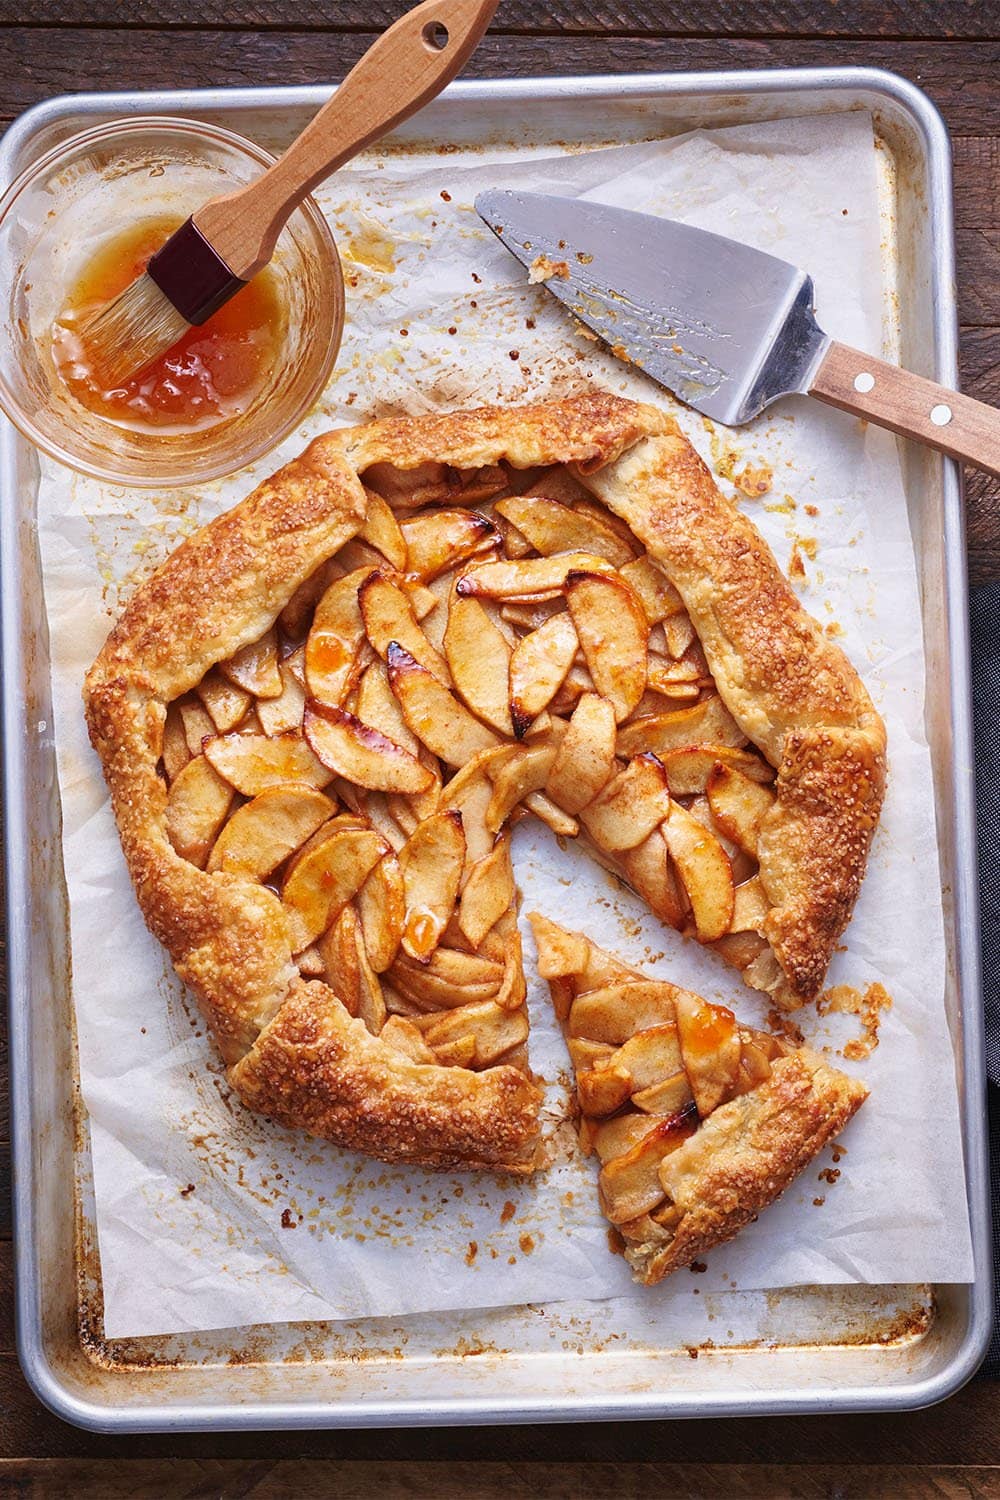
791,690
744,1156
222,588
315,1068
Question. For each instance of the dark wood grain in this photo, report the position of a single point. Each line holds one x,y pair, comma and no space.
897,19
37,61
952,49
280,1479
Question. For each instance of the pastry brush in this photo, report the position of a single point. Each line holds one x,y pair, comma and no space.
229,239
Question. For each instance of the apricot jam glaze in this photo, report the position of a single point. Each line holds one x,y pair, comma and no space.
212,374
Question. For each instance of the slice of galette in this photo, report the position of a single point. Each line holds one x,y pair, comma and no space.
699,1122
320,716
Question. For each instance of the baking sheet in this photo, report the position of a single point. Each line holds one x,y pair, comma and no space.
190,1188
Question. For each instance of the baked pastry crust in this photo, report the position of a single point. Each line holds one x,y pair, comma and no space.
292,1048
793,692
733,1159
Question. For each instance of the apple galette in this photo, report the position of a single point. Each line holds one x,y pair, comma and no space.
698,1121
319,718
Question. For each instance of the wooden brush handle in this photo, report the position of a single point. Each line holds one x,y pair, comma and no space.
910,405
408,65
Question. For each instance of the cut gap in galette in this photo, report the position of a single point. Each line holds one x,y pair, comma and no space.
699,1122
320,717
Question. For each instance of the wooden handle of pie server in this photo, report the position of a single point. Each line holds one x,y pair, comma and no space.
910,405
406,67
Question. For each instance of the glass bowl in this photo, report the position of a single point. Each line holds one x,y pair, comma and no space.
60,212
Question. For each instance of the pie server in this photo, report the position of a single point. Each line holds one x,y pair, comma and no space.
726,328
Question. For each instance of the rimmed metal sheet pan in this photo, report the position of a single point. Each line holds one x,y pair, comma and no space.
808,1350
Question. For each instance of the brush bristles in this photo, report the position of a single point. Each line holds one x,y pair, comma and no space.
132,331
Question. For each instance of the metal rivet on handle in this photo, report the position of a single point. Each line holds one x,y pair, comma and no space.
941,415
864,382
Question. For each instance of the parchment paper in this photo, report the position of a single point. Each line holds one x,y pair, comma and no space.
209,1216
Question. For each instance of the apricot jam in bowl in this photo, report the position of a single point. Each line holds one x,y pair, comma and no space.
80,224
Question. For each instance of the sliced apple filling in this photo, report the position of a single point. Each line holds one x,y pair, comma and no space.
491,643
321,715
698,1122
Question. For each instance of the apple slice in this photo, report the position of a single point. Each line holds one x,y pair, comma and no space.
225,702
585,1055
524,772
613,632
551,527
381,904
665,1098
479,658
335,638
349,973
689,769
649,871
197,804
441,539
254,668
447,980
388,616
377,707
559,483
560,952
469,791
263,833
538,669
487,893
433,712
253,762
322,882
750,906
585,760
400,1033
494,1030
739,805
704,867
527,615
711,1048
280,715
653,589
546,811
360,754
381,531
339,823
666,682
198,726
423,598
649,1057
431,862
632,804
294,618
630,1185
614,1012
615,1137
679,634
707,723
176,752
536,578
603,1090
458,1052
422,484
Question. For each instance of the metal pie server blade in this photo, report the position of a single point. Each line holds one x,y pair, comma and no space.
726,328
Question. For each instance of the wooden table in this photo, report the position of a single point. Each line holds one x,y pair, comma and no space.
951,48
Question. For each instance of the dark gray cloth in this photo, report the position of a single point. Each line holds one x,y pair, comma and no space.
986,701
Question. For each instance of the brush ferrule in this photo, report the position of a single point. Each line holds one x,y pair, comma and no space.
192,275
